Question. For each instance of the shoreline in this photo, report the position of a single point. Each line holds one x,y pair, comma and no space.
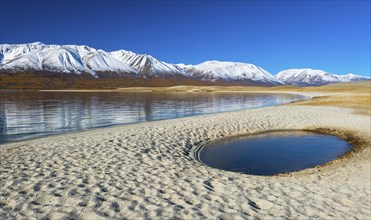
305,96
146,170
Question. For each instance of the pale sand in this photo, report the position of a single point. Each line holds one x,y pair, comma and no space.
147,171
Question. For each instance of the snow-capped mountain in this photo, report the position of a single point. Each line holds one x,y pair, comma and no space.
140,69
350,77
59,58
145,64
311,77
98,63
101,61
80,59
231,71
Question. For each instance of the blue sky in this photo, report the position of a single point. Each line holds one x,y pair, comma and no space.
276,35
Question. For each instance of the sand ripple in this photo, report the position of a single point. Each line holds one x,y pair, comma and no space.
147,171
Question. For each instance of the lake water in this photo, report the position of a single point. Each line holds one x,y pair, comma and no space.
273,152
25,115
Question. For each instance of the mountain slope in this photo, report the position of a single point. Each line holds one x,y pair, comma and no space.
231,71
84,60
130,69
101,61
59,59
311,77
146,64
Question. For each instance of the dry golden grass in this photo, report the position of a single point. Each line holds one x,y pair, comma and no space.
354,87
187,88
360,103
355,95
54,81
106,81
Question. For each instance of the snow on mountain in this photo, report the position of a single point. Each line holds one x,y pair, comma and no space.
16,57
59,58
146,64
311,77
83,59
65,60
350,77
76,59
231,71
101,61
21,62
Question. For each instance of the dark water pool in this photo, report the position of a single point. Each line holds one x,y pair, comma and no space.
25,115
273,152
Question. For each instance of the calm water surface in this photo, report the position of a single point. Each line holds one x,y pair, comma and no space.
26,115
273,152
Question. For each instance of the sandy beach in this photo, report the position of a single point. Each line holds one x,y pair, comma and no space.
148,170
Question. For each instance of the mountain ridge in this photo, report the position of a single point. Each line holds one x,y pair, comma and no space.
313,77
88,62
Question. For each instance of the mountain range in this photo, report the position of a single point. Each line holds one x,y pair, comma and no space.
125,68
311,77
